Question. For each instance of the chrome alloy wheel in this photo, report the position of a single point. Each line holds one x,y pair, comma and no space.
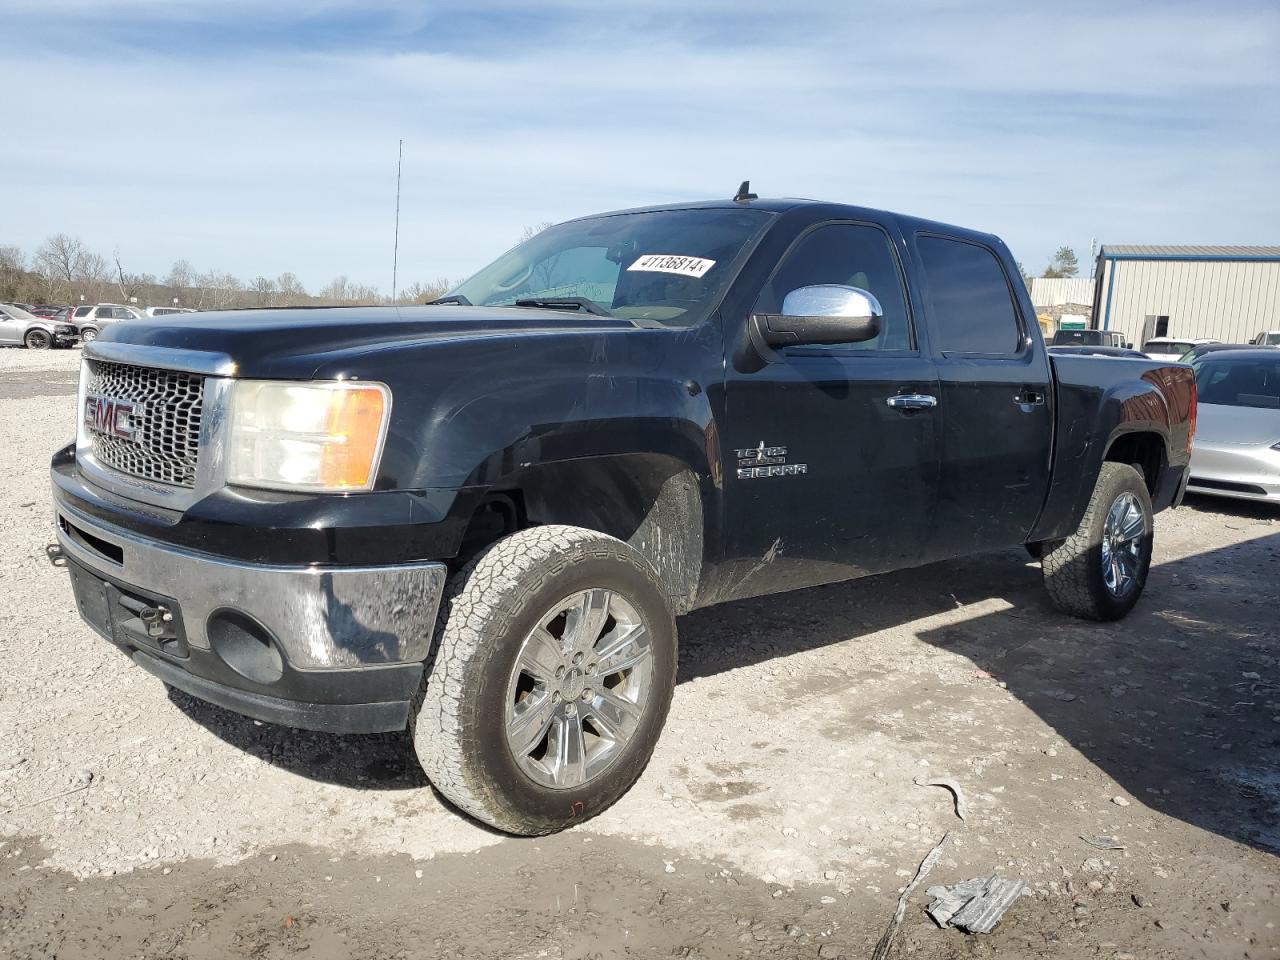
578,689
1122,544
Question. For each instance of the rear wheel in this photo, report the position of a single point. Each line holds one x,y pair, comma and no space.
551,680
1099,572
38,340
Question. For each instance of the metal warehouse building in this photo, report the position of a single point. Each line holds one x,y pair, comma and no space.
1226,293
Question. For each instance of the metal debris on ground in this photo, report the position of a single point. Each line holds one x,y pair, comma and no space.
976,905
1103,843
962,808
886,942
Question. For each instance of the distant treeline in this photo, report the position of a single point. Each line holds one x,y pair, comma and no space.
64,271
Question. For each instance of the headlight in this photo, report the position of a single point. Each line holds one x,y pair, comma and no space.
324,437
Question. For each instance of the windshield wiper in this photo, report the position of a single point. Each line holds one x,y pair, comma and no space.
457,298
565,303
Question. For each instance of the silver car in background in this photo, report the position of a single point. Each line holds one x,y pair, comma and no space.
1237,445
18,328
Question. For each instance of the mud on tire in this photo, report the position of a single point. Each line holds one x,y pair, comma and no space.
490,610
1074,569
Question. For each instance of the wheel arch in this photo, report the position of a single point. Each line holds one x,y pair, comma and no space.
651,501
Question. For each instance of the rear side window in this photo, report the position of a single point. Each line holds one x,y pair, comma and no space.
973,310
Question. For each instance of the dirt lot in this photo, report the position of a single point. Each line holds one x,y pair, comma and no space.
779,817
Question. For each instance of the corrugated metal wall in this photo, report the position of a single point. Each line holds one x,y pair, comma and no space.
1227,300
1055,291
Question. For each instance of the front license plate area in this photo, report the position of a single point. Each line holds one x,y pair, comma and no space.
126,616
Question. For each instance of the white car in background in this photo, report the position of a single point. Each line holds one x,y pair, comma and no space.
1237,446
89,320
1170,349
1268,338
166,311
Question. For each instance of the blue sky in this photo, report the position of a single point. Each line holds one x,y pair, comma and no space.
258,137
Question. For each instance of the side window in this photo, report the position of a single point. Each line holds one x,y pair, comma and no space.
973,309
855,255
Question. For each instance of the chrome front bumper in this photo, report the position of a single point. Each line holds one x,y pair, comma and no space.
321,617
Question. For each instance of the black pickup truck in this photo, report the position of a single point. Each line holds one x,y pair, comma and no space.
479,518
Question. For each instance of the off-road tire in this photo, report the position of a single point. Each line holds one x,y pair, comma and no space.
488,608
1072,568
37,340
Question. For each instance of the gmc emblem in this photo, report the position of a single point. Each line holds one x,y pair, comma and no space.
115,418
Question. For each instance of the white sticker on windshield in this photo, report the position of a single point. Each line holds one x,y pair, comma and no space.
670,263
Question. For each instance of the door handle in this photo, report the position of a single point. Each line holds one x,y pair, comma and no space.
912,401
1026,395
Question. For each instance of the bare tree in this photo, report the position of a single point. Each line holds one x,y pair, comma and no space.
264,289
129,284
59,261
292,292
12,272
426,292
337,290
93,279
180,275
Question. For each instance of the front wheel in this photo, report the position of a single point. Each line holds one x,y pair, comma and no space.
88,336
37,340
1098,573
550,681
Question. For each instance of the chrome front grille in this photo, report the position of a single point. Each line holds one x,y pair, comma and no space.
164,436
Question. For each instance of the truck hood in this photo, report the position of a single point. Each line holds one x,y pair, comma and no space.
295,342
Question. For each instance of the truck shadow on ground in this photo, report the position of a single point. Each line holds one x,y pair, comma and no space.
1175,703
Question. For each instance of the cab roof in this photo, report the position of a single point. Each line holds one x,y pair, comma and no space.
815,210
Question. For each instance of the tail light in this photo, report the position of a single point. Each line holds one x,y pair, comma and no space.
1191,419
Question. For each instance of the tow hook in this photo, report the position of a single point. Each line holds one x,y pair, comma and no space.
157,620
56,557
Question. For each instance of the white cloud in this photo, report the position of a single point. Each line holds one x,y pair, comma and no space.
1138,124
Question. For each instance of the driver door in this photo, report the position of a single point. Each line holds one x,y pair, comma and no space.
864,499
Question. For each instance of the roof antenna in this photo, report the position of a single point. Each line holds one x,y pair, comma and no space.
744,192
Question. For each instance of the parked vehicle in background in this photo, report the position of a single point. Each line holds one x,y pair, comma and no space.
1168,348
1268,338
165,311
1237,448
1081,351
19,327
1090,338
625,418
90,320
1201,349
52,310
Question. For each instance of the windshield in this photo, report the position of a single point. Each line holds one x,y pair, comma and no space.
1239,382
668,266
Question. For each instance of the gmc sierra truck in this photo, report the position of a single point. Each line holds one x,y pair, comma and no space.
479,518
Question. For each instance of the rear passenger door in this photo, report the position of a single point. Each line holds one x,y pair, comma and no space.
995,407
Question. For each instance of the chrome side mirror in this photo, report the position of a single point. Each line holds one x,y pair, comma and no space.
824,313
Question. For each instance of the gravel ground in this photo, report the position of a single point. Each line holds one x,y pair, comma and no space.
780,815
